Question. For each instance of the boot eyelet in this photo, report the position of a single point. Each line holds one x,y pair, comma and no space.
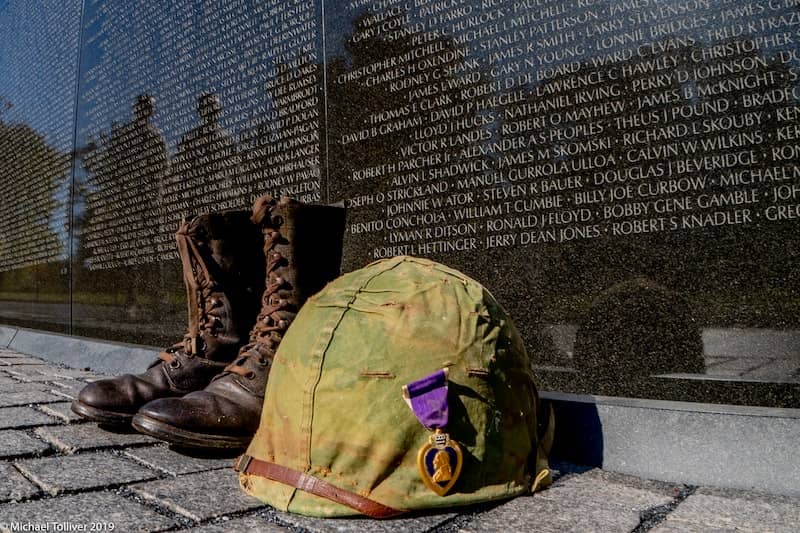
250,375
263,362
174,364
283,324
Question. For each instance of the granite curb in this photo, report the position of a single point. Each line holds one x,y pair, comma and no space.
60,473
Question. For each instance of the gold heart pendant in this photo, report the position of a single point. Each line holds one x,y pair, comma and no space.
439,462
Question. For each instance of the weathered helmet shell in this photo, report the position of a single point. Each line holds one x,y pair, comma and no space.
334,407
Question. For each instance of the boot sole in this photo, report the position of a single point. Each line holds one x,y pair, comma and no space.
101,416
189,439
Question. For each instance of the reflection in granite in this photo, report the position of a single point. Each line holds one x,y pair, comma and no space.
637,329
553,151
38,62
215,122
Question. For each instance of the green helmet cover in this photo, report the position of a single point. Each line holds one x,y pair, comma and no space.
334,406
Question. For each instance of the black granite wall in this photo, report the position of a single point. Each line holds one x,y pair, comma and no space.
623,175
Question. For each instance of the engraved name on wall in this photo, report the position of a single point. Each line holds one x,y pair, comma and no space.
188,107
508,124
38,56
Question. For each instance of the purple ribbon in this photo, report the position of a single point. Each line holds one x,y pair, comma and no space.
427,397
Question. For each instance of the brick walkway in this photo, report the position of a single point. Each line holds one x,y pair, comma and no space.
59,470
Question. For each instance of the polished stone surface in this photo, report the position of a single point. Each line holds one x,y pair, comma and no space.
623,177
39,52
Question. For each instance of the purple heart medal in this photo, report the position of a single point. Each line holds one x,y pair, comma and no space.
440,459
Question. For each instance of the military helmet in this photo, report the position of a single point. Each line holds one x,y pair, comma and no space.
368,363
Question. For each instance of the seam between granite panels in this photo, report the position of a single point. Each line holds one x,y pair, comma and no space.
650,518
11,340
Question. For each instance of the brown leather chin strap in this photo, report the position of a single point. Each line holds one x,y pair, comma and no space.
249,465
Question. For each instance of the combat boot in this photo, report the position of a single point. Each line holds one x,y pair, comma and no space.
303,247
223,270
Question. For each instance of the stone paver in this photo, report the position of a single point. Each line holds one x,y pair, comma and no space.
72,373
11,399
18,417
358,525
205,492
33,377
61,411
20,360
13,485
709,510
173,463
593,501
53,372
89,470
66,389
249,524
21,386
84,510
14,443
199,496
88,436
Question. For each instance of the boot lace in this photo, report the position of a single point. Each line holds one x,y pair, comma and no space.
272,321
200,285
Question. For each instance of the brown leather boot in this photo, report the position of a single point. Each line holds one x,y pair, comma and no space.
223,269
303,246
